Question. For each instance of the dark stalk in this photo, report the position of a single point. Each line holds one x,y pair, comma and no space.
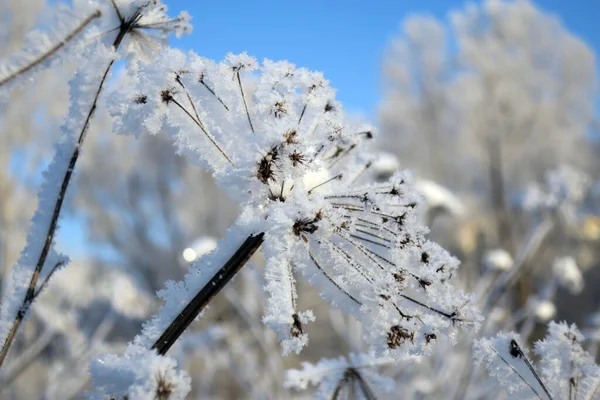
302,113
452,316
207,293
239,79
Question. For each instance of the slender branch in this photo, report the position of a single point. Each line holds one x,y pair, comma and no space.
207,293
244,98
53,50
201,126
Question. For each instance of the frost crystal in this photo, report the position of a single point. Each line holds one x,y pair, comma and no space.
277,141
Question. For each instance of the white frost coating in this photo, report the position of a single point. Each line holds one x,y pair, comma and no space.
263,130
176,296
83,88
564,366
328,375
371,254
568,274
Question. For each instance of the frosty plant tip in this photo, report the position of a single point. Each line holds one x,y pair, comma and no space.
277,142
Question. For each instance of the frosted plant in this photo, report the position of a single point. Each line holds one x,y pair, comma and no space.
564,370
339,378
117,24
277,142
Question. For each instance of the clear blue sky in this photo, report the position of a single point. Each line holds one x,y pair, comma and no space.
344,39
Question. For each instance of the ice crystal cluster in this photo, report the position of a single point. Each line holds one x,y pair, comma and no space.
278,142
564,370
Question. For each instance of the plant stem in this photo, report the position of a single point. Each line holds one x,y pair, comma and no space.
207,293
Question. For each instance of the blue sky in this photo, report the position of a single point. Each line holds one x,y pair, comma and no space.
344,39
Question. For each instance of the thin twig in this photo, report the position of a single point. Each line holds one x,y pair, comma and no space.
206,133
213,92
53,50
244,98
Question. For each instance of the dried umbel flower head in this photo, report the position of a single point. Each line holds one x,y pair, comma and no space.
278,142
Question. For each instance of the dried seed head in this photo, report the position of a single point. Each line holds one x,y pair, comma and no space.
296,330
306,225
167,96
266,166
398,335
429,337
297,158
279,109
290,136
141,99
164,388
